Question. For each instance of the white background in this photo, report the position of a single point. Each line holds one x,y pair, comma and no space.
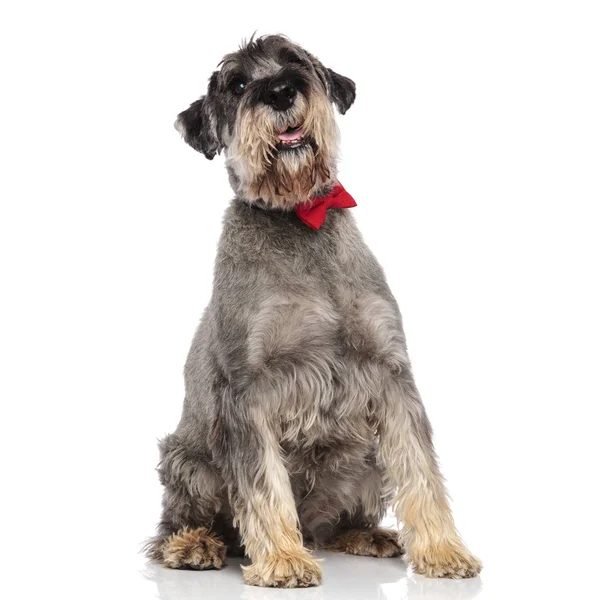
473,151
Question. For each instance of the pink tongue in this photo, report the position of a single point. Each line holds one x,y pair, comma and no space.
291,136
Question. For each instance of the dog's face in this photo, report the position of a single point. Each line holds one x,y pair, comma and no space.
270,107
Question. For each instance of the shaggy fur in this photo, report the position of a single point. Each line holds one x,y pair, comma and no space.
301,421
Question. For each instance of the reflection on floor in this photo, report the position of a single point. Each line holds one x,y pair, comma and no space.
344,578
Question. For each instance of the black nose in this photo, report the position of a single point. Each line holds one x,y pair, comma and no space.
279,95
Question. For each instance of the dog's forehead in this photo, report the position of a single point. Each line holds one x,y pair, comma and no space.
250,66
261,58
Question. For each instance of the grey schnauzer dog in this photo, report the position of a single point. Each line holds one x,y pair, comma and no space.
301,422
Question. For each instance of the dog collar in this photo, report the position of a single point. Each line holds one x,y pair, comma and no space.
314,212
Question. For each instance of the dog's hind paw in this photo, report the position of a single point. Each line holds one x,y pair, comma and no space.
288,571
381,543
195,549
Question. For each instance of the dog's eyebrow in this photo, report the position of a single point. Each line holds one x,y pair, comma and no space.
229,63
235,75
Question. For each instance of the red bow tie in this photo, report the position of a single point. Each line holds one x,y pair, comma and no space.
314,212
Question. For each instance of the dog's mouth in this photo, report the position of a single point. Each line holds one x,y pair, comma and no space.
291,137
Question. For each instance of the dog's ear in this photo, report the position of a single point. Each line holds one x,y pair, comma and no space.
342,90
198,124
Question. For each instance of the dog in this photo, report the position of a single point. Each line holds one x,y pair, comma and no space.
301,422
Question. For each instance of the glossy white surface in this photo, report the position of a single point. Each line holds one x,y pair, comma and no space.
345,578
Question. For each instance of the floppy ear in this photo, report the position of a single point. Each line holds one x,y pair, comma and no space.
198,124
342,90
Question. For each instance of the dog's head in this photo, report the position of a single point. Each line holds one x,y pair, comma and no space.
270,107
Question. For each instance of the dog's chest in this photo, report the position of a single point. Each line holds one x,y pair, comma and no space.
312,329
325,302
328,357
323,331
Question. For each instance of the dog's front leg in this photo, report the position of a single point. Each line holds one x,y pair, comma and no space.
264,508
429,535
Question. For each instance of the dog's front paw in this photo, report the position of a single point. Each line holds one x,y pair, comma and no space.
195,549
450,560
289,571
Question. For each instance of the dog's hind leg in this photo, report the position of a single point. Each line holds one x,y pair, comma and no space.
433,544
194,511
357,529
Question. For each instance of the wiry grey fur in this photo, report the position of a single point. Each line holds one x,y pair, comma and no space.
299,363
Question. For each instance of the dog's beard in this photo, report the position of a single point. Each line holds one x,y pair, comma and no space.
264,168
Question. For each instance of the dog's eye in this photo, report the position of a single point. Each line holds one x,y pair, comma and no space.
238,87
